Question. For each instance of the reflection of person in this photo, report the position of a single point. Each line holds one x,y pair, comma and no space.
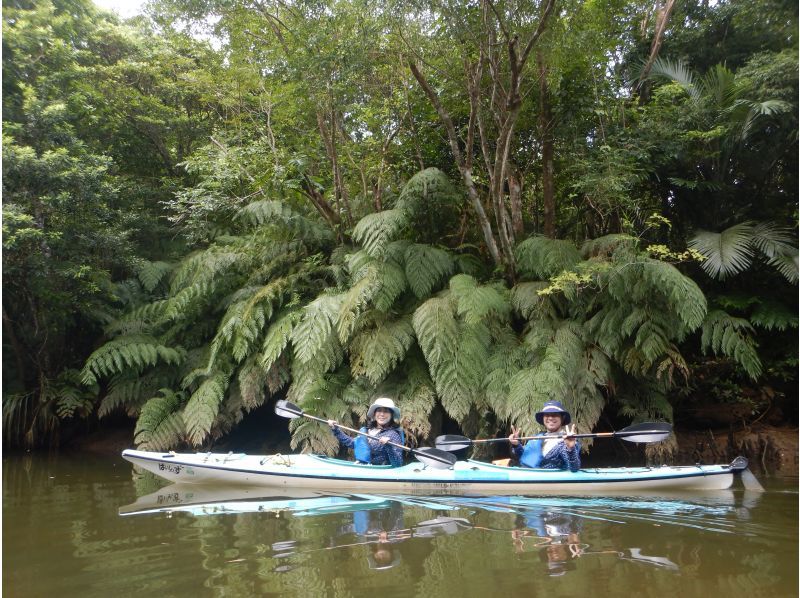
558,536
550,453
383,417
383,528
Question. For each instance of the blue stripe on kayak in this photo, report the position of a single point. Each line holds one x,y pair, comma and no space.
322,477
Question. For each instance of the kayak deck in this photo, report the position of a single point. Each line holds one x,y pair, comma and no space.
320,472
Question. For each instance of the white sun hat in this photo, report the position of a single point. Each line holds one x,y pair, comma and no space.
386,403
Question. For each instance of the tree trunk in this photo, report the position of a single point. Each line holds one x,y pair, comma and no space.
546,134
329,139
515,198
466,173
662,18
16,347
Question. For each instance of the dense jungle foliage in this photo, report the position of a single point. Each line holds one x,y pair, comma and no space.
472,207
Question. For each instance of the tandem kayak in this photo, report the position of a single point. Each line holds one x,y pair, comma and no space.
306,471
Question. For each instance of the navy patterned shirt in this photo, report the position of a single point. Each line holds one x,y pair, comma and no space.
382,454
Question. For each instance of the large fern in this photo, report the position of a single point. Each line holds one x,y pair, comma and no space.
134,351
160,424
733,337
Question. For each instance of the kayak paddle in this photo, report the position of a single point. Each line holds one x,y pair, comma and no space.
429,456
644,432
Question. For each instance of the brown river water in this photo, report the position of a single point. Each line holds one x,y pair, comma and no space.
90,526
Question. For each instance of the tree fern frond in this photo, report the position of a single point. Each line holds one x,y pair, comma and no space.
467,263
648,279
266,211
771,315
129,390
272,212
652,342
203,407
152,273
375,352
252,382
417,398
358,264
134,351
355,301
160,425
202,269
541,258
426,268
393,283
310,437
375,231
245,320
436,329
525,298
429,187
671,364
506,359
726,335
606,246
278,336
314,337
475,302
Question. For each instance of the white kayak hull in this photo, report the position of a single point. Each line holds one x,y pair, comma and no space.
323,473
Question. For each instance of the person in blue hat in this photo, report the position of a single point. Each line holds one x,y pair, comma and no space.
560,452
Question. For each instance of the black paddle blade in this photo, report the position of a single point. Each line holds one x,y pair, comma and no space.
287,409
452,442
646,432
434,457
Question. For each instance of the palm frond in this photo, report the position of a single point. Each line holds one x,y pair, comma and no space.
786,265
727,253
677,72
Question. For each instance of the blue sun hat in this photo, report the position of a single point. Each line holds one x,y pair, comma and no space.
553,408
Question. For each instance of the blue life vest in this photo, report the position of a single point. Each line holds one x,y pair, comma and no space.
361,445
361,519
361,448
532,453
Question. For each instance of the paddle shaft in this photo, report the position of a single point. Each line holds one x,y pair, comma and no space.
560,436
354,431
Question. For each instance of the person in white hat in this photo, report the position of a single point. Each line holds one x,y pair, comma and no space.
383,427
563,451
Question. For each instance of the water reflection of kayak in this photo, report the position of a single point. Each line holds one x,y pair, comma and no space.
217,500
198,499
319,472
